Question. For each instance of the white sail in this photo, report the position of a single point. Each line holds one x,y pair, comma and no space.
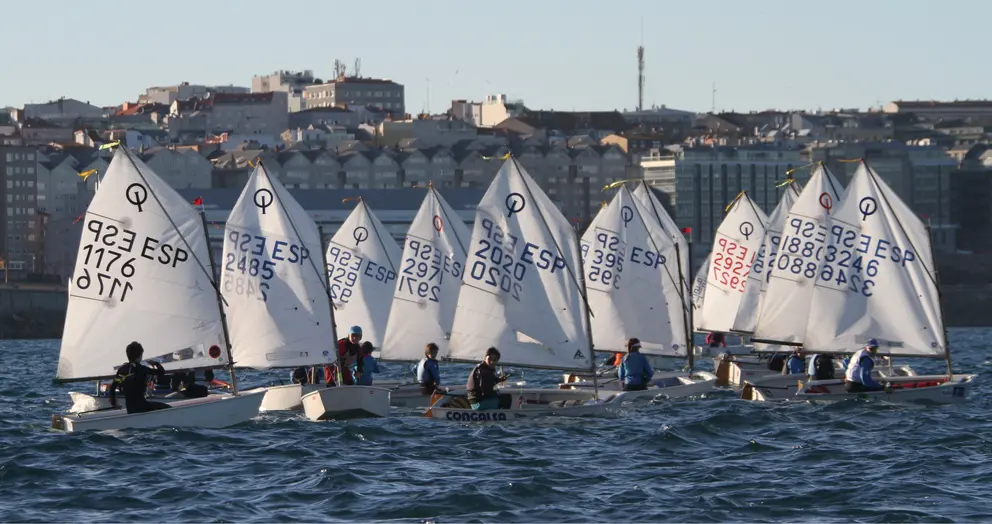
648,198
735,245
699,293
362,261
632,279
522,288
747,314
430,277
792,268
142,274
272,279
876,277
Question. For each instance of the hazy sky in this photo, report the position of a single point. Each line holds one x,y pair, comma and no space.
554,54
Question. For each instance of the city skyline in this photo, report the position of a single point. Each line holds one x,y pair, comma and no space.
859,54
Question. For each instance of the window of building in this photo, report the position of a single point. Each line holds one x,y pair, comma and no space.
30,156
10,211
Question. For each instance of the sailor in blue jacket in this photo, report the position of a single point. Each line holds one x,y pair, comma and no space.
634,372
857,378
795,364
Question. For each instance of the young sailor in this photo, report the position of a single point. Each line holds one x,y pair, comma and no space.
366,365
857,378
428,371
348,353
795,363
821,367
635,371
482,381
132,379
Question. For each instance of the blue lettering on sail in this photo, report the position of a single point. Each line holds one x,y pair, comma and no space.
422,274
497,264
604,260
801,248
853,260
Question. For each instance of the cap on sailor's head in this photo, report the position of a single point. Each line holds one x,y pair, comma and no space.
872,343
355,330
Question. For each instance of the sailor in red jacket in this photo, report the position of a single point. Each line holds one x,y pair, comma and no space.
349,354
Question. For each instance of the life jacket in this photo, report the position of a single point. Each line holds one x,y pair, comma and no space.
853,372
823,367
617,359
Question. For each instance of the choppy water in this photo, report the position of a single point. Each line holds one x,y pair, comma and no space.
713,459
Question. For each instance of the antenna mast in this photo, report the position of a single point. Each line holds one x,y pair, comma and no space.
640,78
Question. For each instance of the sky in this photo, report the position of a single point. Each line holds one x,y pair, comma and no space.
552,54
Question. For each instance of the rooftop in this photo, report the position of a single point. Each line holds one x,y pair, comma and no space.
332,199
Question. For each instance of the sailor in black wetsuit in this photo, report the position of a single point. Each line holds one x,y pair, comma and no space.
132,378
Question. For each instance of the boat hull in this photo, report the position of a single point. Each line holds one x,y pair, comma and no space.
213,411
286,397
671,385
783,387
346,402
84,402
445,409
922,388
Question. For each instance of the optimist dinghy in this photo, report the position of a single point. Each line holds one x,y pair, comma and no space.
523,293
143,273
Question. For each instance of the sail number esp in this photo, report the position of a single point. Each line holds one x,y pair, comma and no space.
252,260
494,263
423,272
109,257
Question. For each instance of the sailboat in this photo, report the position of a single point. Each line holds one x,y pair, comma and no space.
361,261
736,244
426,292
787,293
274,286
523,293
144,273
362,264
735,366
633,277
878,279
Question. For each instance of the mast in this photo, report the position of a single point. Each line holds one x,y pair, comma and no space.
692,304
940,305
690,348
220,307
582,290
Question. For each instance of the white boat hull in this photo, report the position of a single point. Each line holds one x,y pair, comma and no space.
213,411
782,387
671,385
574,407
286,397
346,402
925,388
83,402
